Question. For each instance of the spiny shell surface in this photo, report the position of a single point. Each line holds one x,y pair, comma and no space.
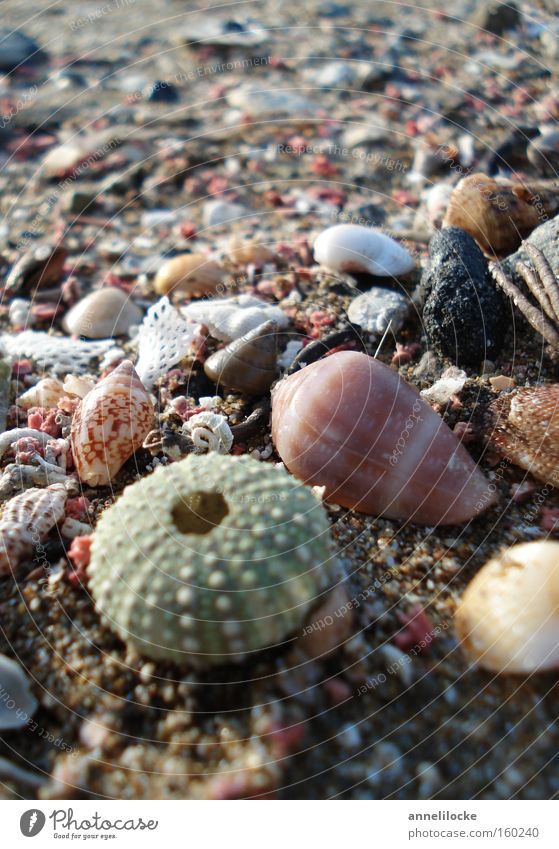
248,364
46,393
498,213
26,520
109,424
192,274
352,248
523,425
106,312
508,619
252,558
231,318
351,424
17,703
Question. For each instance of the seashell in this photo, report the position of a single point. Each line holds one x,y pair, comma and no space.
244,251
164,338
17,702
352,248
27,519
209,432
40,266
231,318
109,424
103,313
210,559
20,314
351,424
508,619
78,386
5,383
499,213
378,308
45,393
190,274
248,364
523,426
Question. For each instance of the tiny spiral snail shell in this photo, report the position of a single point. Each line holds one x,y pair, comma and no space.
110,423
351,424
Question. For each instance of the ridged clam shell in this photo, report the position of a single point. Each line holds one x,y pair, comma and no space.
191,274
352,248
110,423
27,519
18,703
101,314
210,559
231,318
351,424
248,364
523,426
498,213
508,619
45,393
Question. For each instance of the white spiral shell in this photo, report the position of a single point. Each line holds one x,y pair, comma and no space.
352,248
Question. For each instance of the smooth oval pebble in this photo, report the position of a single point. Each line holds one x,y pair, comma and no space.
191,274
351,424
375,309
17,704
101,314
352,248
508,619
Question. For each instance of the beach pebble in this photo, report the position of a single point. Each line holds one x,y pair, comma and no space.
546,238
350,248
193,274
451,382
103,313
496,16
270,103
543,152
465,316
20,704
508,619
218,212
374,310
16,49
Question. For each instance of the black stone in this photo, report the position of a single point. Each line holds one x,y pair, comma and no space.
496,16
162,92
464,314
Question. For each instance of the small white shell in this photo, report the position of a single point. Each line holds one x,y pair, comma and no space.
78,386
349,247
209,432
231,318
46,393
103,313
508,619
17,703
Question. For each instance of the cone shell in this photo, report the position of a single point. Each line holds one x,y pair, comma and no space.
26,519
499,214
352,425
191,274
211,559
508,619
104,313
248,364
523,426
110,423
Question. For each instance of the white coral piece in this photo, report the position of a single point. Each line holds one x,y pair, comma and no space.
59,353
451,382
164,338
209,432
231,318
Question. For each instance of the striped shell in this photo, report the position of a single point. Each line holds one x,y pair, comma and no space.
523,426
110,423
26,520
351,424
498,213
210,559
508,619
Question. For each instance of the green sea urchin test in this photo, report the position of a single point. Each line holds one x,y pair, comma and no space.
210,559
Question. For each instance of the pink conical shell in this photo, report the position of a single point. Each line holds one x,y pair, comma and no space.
352,425
110,423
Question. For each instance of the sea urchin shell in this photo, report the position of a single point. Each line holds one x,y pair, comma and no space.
110,423
210,559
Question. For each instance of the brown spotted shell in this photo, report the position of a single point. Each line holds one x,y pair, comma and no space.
191,274
247,364
523,426
498,214
26,520
110,423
